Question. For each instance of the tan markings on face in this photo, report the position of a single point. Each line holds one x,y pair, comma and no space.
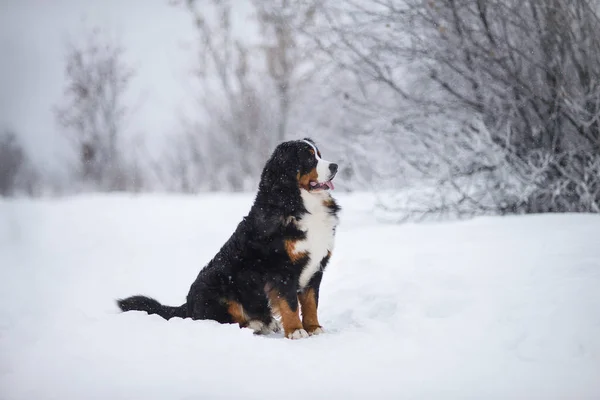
290,319
308,301
304,180
237,313
290,249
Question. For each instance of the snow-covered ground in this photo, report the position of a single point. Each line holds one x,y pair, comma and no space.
491,308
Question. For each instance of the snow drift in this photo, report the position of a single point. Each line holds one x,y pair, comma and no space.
487,308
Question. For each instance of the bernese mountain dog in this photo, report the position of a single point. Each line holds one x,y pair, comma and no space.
272,265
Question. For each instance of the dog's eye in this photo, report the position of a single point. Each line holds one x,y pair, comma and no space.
312,152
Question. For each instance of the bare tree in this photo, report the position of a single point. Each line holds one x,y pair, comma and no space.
235,116
288,59
93,113
11,161
492,103
182,167
17,173
247,88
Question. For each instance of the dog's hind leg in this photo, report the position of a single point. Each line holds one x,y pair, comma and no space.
254,319
258,308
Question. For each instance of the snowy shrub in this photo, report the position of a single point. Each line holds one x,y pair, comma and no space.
492,104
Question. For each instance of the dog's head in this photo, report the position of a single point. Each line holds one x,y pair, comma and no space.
299,163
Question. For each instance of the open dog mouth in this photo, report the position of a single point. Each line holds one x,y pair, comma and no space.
328,185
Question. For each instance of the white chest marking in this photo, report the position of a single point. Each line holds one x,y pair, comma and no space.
319,226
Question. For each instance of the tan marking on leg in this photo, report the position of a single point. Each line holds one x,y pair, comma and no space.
237,313
290,319
308,301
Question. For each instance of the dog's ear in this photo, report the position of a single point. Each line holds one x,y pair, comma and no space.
278,185
282,168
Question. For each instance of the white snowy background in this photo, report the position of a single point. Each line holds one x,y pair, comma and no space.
489,307
34,35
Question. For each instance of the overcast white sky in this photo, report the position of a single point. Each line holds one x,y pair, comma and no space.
159,39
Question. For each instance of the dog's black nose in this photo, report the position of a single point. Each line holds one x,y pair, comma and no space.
333,168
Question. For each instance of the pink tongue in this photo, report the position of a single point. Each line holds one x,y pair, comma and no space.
313,184
329,184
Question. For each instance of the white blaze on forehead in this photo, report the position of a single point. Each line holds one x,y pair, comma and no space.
323,172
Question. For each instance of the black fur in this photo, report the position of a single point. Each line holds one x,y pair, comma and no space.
254,259
151,306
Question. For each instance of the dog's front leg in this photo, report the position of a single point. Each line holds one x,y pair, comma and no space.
309,300
285,302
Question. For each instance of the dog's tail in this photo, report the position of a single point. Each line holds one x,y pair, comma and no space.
151,306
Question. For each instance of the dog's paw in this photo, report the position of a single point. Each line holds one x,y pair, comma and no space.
315,331
275,325
259,327
297,334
